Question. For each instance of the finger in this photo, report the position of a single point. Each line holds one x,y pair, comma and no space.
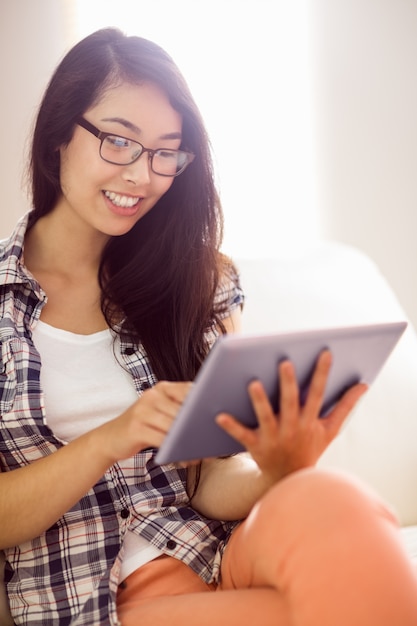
262,405
176,391
163,406
167,398
340,412
245,436
289,396
317,385
157,422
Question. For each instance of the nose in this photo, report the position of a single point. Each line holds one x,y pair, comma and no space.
138,172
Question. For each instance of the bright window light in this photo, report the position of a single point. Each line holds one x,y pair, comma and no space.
249,66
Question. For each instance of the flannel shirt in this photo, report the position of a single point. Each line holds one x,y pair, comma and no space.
69,575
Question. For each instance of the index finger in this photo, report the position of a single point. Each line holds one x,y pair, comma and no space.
176,391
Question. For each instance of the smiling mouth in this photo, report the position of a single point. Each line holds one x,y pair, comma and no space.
122,201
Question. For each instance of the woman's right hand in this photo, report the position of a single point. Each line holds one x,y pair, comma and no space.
145,423
37,487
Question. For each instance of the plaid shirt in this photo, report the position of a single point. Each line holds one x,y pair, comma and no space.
69,575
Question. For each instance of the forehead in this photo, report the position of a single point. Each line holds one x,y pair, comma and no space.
145,106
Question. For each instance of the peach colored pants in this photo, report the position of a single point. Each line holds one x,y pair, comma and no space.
316,550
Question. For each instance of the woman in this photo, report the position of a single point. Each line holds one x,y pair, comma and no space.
113,292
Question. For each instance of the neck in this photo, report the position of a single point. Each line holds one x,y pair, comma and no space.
64,260
58,245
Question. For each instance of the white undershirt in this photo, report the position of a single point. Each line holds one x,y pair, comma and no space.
84,386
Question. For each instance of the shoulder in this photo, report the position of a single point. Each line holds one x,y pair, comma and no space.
229,293
13,245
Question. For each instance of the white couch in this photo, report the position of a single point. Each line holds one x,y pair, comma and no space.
331,284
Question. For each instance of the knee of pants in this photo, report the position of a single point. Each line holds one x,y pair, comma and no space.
314,500
318,530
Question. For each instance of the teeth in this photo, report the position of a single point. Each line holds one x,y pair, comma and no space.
122,201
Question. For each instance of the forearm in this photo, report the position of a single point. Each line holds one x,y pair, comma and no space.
229,488
34,497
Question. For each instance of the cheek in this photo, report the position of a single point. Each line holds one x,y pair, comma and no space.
69,167
164,184
79,173
64,171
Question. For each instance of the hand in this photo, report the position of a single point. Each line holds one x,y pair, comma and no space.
296,437
145,423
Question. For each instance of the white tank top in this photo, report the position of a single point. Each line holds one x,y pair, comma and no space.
84,386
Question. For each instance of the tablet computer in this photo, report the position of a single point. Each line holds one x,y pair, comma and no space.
358,354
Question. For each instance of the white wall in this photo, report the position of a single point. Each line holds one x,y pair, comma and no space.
366,110
33,36
362,103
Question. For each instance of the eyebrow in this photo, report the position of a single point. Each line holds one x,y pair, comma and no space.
129,126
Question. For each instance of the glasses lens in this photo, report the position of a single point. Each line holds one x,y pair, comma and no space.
169,162
120,150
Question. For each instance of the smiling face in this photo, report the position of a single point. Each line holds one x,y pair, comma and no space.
112,198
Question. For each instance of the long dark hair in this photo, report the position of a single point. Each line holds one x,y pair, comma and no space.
162,276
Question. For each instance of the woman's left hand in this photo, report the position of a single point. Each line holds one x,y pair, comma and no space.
296,437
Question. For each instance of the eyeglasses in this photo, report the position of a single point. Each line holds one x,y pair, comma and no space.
123,151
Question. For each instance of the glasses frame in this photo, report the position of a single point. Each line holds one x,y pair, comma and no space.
102,136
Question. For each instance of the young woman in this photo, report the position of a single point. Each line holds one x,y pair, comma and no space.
113,290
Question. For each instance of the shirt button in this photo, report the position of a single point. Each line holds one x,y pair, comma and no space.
145,385
129,350
124,513
171,545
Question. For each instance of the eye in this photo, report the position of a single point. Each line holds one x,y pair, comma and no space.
167,155
117,143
